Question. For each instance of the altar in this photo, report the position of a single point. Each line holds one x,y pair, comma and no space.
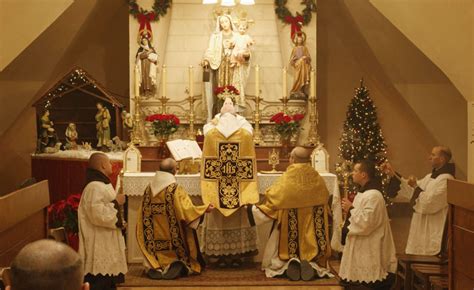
134,185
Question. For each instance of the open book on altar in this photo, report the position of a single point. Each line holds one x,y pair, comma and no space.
184,149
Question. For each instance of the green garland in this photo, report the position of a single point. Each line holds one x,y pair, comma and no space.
283,13
160,8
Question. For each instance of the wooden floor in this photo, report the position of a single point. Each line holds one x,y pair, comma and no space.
249,276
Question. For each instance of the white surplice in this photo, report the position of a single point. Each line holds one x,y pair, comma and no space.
101,243
429,216
369,252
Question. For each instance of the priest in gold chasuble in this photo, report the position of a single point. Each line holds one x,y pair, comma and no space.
165,229
228,181
297,204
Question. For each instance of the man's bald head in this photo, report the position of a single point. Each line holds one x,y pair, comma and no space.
168,165
100,162
300,155
47,265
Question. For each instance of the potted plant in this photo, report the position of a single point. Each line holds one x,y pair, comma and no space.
64,214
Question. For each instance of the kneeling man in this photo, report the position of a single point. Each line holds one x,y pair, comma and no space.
297,204
368,258
165,229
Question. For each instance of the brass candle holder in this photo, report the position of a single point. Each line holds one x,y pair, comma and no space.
163,101
313,136
284,100
136,135
257,135
191,132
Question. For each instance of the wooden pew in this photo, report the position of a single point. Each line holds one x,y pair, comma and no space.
461,235
423,272
23,219
404,268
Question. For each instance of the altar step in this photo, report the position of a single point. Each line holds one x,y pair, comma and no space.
249,276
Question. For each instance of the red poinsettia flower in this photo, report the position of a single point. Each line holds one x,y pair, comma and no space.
286,125
163,124
229,89
298,117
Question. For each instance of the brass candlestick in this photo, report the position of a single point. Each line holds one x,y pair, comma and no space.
163,101
191,133
284,100
137,137
313,137
257,136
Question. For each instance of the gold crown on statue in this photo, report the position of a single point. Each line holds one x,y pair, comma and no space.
226,92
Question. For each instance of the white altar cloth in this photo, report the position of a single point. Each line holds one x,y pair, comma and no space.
134,185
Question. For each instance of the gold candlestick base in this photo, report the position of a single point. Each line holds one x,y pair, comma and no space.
257,135
191,132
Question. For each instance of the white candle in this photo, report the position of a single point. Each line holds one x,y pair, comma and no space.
257,85
191,81
163,81
313,83
137,82
284,83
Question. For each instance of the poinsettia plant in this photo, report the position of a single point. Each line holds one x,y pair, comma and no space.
286,125
163,124
64,214
226,90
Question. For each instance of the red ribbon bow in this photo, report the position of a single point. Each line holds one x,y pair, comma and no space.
295,22
144,20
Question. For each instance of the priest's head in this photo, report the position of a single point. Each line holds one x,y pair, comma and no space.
228,106
100,162
300,155
47,265
440,155
363,172
168,165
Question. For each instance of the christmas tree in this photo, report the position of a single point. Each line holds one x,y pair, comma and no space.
361,138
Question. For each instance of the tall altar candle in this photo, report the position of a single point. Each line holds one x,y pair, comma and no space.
257,82
312,82
191,81
136,82
163,81
284,88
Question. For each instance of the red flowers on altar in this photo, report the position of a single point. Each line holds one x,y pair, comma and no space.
229,90
163,124
286,125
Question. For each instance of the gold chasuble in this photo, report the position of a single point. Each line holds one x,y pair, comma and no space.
298,203
229,175
162,230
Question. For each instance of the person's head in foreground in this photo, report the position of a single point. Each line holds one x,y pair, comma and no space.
47,265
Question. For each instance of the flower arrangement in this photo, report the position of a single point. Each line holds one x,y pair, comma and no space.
163,124
286,125
226,90
64,214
